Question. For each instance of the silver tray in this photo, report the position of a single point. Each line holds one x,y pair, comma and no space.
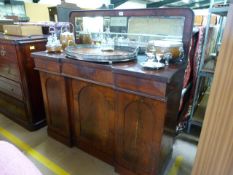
95,53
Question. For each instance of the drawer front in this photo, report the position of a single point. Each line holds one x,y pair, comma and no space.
48,66
32,47
139,85
11,88
13,108
9,69
8,52
88,73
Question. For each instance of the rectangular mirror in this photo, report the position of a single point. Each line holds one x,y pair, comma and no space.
131,28
134,26
161,26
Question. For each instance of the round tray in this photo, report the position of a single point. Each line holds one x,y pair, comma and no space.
95,53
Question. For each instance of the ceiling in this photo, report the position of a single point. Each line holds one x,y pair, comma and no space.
194,4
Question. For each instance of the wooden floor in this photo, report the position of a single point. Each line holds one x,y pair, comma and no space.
76,162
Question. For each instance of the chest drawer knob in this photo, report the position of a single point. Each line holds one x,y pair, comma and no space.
32,47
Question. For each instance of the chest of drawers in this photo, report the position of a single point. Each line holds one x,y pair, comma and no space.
20,89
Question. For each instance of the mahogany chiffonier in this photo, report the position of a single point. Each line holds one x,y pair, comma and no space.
121,113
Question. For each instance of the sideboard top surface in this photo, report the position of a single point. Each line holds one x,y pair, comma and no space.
128,68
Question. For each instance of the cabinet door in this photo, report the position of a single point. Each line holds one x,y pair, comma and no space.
93,112
55,99
139,132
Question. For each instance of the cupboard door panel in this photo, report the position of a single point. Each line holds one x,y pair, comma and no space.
138,119
93,116
94,121
137,133
54,93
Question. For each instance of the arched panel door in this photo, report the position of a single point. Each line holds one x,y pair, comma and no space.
55,99
93,116
139,128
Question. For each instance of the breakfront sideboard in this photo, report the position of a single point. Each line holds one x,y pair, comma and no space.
120,112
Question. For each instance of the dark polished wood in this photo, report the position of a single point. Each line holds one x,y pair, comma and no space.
20,88
56,106
93,116
139,131
126,116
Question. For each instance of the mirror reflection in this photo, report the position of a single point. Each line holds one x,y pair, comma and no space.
91,30
107,33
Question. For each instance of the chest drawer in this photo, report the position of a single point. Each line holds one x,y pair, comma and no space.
9,69
8,51
11,88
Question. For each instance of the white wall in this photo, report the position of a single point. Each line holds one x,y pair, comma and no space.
93,4
41,13
25,0
131,5
201,12
90,4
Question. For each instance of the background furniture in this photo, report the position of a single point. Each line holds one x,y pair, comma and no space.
215,149
60,13
20,89
13,10
206,65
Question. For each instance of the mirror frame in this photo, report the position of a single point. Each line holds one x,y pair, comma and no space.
164,12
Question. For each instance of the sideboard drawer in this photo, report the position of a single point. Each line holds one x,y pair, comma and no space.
9,69
8,52
48,66
88,73
11,88
139,85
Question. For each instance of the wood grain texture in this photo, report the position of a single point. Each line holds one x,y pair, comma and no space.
215,149
56,107
11,88
9,67
139,132
93,116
